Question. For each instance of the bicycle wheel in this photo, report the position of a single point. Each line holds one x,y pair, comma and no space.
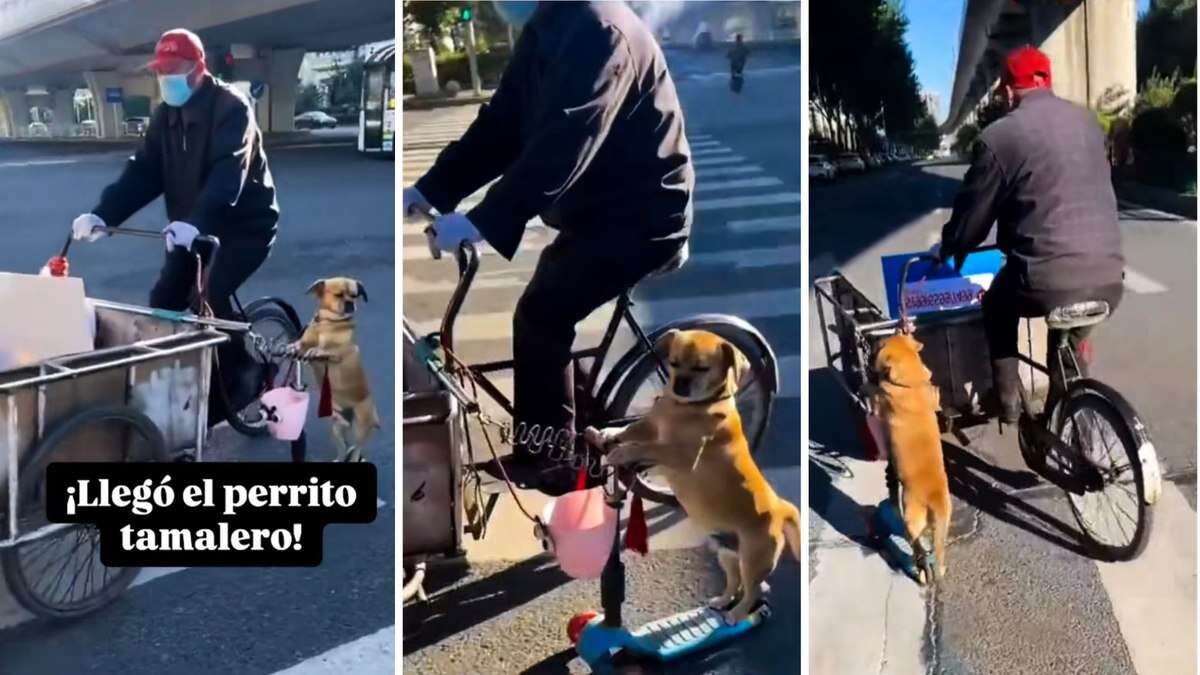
60,576
643,383
1115,520
269,319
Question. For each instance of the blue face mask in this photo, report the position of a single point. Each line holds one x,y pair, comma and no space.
515,12
175,89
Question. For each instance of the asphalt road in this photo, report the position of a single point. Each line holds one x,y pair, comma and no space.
337,219
508,613
1020,595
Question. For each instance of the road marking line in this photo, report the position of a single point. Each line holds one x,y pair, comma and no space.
710,161
704,144
1142,284
737,184
729,170
303,146
374,653
39,162
1159,583
764,304
754,225
707,152
751,200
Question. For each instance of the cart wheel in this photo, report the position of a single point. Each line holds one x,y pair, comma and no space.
60,576
643,383
271,319
1114,519
577,623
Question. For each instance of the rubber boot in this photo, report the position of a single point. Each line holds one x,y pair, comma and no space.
1006,389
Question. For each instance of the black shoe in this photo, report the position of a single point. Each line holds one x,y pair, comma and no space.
520,469
1006,390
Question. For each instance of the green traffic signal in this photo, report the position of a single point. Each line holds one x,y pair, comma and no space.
465,14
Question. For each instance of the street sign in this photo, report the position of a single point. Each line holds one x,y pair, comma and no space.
114,95
257,87
939,289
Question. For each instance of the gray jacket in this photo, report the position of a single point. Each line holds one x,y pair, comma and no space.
1041,172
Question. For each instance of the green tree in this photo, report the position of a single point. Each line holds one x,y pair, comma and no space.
1166,39
964,139
309,98
342,88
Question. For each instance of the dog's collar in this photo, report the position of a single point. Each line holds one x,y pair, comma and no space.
322,319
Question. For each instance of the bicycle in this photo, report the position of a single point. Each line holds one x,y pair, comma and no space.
1062,441
617,397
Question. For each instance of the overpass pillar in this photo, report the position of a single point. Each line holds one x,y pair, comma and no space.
1091,46
16,108
64,112
283,70
109,116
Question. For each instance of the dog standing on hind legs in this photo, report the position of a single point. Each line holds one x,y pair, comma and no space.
329,347
908,401
693,435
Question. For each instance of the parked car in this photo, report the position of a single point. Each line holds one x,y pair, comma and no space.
136,126
850,162
89,128
872,161
38,130
820,168
315,119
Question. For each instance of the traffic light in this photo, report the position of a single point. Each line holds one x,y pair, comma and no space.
465,14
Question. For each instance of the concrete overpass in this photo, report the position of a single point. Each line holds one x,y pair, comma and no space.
50,48
1090,44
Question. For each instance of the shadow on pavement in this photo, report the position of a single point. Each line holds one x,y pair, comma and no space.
447,614
982,486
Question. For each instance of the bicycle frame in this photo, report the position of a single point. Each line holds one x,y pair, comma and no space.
468,264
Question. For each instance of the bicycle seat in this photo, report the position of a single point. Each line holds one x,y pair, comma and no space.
1078,315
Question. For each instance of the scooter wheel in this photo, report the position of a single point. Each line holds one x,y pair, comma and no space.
577,623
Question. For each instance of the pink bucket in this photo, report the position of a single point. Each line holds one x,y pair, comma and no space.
581,527
286,409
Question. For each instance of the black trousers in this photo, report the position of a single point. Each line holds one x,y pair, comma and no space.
573,278
237,260
1007,301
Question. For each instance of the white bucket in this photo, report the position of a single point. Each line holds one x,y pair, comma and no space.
286,410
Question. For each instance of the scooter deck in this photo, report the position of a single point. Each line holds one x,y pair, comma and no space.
694,630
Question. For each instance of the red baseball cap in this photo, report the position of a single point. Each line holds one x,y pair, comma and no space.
1023,64
174,47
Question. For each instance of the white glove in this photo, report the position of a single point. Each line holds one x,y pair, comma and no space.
180,233
453,230
413,203
87,226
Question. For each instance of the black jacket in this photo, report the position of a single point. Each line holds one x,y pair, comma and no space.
586,130
1041,172
206,158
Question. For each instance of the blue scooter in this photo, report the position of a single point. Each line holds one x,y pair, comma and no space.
604,643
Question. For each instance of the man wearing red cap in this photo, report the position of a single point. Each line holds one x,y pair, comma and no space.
1042,174
203,152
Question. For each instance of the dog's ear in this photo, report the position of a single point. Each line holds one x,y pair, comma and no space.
668,338
317,287
735,361
360,290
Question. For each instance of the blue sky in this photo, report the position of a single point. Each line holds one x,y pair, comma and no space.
933,38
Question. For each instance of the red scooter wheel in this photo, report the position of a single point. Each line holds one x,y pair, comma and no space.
577,623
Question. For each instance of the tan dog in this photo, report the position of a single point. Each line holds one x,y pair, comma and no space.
328,343
693,434
908,401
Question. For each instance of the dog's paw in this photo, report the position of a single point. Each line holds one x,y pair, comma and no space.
736,616
721,602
